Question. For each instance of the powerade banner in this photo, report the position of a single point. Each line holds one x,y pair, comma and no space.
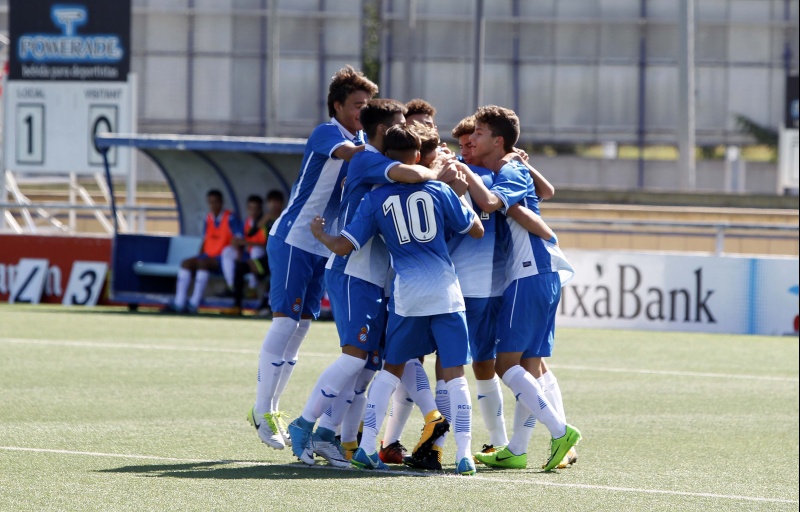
69,40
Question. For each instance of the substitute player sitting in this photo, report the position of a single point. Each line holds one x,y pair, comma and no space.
219,230
426,296
248,255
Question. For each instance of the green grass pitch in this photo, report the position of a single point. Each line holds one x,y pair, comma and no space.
102,409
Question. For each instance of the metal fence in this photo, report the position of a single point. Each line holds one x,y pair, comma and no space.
574,70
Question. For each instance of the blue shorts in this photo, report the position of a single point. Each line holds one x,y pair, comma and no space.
296,279
482,325
375,358
358,310
410,337
527,319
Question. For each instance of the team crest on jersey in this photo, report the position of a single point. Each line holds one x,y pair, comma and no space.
363,335
296,306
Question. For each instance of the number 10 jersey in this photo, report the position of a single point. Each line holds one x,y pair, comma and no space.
413,221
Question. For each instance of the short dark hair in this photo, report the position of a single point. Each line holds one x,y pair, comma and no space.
275,195
214,193
379,112
428,136
502,122
255,199
401,138
419,106
464,127
344,83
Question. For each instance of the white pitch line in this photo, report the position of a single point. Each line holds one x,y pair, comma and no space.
413,474
181,348
141,346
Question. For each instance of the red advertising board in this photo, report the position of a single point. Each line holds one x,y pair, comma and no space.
61,253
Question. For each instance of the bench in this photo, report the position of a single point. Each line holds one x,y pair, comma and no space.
180,248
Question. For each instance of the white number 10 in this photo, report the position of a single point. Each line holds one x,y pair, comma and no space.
423,230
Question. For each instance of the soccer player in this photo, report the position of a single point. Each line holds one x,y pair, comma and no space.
461,133
355,285
426,310
219,229
483,291
414,386
526,322
296,258
420,111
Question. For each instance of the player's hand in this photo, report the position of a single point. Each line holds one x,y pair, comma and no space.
460,183
521,153
238,243
444,149
448,172
317,226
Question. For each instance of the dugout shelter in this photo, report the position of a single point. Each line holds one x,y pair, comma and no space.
143,267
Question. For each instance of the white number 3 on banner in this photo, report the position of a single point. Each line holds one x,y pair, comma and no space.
85,282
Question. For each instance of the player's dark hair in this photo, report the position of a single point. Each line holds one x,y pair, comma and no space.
401,138
502,122
401,143
379,112
428,137
275,195
464,127
419,106
255,199
214,193
344,83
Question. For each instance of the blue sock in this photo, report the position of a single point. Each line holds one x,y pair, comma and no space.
305,424
325,434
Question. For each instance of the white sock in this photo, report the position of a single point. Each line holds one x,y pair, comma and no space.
528,391
290,357
380,392
228,264
402,405
182,287
443,404
354,415
552,391
200,281
270,361
334,415
461,408
523,429
330,384
416,383
490,402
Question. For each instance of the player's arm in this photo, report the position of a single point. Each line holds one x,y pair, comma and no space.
544,189
347,151
404,173
533,223
336,244
483,197
476,230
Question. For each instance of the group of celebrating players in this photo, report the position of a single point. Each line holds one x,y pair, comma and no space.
407,240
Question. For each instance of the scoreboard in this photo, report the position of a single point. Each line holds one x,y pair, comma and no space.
68,80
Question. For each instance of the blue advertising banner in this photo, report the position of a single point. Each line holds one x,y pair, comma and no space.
72,40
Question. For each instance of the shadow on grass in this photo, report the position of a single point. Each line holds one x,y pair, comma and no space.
244,470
